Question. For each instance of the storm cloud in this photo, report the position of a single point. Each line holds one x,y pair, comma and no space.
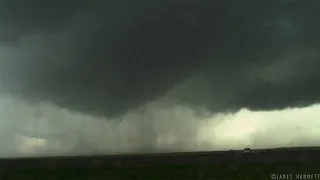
135,76
105,58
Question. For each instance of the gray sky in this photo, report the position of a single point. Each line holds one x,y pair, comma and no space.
103,58
154,128
148,66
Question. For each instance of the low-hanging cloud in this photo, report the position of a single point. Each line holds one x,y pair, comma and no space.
91,58
152,64
46,130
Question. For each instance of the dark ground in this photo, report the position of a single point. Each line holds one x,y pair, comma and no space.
259,164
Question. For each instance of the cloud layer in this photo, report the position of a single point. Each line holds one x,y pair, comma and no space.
103,58
156,72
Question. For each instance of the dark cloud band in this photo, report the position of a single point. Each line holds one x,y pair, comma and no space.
106,58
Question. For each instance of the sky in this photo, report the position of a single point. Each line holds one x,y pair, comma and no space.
143,67
154,128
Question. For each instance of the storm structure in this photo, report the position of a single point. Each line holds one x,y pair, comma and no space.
105,58
148,76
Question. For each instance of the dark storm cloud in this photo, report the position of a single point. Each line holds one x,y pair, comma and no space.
105,58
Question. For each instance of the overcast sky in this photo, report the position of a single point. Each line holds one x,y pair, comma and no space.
163,75
173,129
